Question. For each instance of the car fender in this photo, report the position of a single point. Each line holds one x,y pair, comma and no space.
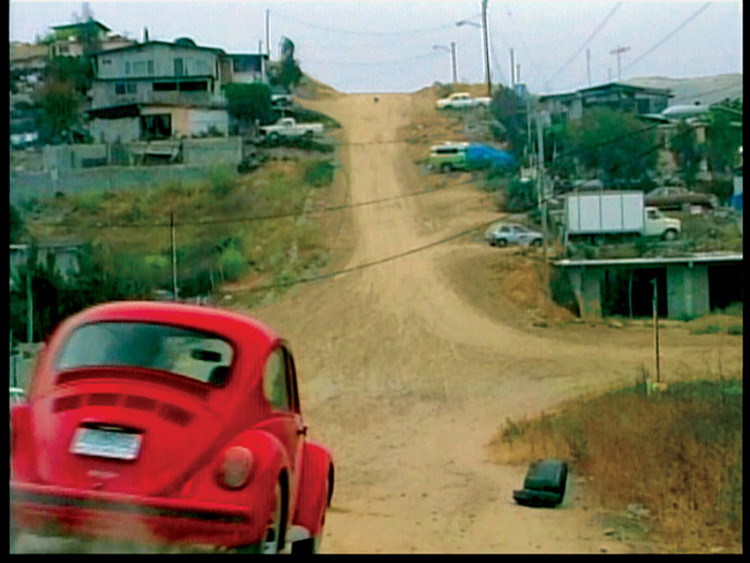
21,444
316,487
269,461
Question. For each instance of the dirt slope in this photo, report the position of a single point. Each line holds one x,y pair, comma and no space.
407,368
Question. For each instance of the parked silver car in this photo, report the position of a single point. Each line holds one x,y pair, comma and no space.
503,234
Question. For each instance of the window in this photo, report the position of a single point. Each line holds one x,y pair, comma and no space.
127,67
150,65
131,89
106,61
181,351
157,126
120,87
165,86
178,67
275,386
201,86
139,67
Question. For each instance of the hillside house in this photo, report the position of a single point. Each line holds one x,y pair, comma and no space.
157,90
626,97
69,39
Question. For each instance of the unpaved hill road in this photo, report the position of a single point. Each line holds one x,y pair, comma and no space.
407,381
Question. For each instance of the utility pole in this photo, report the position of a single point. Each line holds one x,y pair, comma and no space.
588,65
512,68
453,61
174,257
486,48
542,197
618,52
528,127
29,299
655,307
268,38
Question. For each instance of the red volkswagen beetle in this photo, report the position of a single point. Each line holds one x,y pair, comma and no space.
169,424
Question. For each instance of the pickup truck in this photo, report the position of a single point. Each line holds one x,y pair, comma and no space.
288,128
462,100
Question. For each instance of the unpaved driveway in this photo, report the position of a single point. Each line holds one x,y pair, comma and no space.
406,375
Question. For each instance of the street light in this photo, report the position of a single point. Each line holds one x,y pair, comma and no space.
452,51
486,43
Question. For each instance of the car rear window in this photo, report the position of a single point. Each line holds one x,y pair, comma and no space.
196,355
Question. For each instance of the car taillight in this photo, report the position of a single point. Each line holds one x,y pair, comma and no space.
235,467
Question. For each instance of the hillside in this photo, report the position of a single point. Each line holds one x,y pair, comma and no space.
687,91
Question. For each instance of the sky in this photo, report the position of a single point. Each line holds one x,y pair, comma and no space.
404,45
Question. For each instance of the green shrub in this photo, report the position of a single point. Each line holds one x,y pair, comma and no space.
221,181
319,173
232,264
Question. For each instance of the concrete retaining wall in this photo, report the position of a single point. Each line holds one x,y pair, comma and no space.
27,185
64,172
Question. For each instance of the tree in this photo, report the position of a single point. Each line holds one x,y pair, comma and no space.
724,134
614,143
58,102
248,102
77,71
504,108
685,143
16,225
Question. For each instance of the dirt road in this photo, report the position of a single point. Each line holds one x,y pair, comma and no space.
407,370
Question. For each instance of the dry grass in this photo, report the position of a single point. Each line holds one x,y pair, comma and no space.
676,452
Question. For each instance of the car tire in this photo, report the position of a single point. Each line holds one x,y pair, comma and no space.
502,242
537,242
446,168
670,235
273,138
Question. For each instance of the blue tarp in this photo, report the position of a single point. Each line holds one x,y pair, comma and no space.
483,156
737,201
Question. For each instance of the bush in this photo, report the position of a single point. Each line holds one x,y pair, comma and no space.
232,264
319,173
221,181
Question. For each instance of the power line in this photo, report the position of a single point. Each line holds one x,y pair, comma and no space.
378,33
247,219
670,34
367,63
565,154
583,45
374,262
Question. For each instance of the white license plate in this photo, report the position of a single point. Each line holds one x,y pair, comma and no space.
106,443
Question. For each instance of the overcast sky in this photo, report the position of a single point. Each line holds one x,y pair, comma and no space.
403,45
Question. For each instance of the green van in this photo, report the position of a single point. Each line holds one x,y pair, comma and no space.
448,157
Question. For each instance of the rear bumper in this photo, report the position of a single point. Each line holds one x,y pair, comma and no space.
57,510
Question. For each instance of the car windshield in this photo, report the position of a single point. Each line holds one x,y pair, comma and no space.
185,352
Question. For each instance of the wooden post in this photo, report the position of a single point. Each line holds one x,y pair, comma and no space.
655,306
174,258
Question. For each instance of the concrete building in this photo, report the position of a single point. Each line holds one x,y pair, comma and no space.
687,286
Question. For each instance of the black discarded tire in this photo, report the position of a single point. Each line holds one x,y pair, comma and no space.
502,242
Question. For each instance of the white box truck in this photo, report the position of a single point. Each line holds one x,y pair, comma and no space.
615,213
